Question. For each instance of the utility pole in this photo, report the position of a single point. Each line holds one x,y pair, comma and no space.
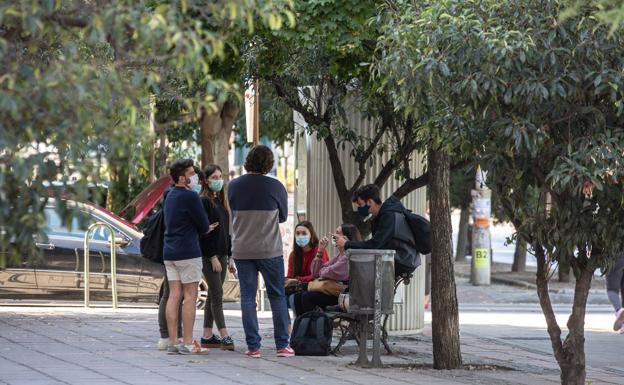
480,269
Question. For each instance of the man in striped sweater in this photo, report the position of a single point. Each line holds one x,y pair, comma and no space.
259,204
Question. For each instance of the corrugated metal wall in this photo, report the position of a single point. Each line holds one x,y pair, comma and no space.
323,208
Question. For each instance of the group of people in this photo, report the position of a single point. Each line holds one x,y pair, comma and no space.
208,231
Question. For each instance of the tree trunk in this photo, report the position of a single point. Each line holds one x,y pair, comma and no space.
162,154
119,190
519,262
564,272
445,325
462,235
216,129
570,353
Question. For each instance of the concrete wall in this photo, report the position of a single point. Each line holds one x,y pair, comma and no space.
315,194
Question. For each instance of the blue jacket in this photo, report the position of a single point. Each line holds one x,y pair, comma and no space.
185,219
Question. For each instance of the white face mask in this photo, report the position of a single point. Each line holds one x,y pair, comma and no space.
194,180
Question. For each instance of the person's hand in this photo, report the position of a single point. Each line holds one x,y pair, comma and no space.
340,241
216,265
289,281
231,267
212,226
324,242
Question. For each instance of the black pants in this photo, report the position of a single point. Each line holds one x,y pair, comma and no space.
213,312
309,300
402,269
615,284
162,316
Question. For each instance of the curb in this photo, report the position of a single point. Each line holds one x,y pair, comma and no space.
532,286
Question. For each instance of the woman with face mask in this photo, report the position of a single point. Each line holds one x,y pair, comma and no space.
336,270
217,257
305,249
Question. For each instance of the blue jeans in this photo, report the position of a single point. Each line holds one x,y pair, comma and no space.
272,270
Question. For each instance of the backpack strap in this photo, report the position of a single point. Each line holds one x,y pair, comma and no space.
302,328
320,332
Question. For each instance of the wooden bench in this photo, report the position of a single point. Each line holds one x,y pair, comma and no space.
349,325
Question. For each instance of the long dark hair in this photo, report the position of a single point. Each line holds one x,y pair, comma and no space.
298,251
207,192
351,231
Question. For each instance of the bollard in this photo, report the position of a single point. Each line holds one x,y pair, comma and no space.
480,267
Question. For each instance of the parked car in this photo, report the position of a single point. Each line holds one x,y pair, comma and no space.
59,272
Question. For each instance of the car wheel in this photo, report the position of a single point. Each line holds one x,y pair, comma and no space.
202,294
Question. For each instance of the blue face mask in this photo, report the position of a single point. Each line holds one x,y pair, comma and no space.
196,188
216,185
363,211
302,240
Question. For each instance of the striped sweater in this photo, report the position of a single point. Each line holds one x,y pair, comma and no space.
259,204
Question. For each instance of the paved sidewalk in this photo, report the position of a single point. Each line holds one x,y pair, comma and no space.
44,345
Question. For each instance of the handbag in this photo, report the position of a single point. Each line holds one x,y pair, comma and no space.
326,286
295,288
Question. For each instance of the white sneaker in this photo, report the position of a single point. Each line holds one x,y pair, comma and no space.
163,343
619,320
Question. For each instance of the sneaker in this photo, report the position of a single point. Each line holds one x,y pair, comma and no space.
163,343
253,353
173,349
194,348
212,342
286,352
227,343
619,320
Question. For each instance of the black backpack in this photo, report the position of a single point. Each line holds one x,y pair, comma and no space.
312,334
421,229
153,240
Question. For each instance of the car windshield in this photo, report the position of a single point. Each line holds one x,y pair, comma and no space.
88,215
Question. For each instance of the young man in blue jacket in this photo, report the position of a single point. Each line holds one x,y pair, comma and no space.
185,219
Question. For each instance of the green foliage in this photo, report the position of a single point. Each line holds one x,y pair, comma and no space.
76,80
537,99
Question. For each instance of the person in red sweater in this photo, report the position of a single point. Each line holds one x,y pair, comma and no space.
305,249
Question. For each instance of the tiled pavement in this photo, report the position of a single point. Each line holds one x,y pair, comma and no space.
71,345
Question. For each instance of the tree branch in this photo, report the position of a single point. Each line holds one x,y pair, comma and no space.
68,21
412,184
362,160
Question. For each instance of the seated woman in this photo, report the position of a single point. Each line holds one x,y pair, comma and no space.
305,250
337,270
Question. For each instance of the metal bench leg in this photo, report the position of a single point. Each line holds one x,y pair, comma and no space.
344,336
384,334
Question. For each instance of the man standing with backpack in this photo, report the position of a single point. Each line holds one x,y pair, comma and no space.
393,228
184,220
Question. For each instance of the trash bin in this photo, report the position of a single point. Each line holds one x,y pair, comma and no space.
362,280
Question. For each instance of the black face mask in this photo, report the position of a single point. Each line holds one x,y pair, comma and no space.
363,211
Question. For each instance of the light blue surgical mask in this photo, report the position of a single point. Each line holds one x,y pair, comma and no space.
216,185
302,240
195,187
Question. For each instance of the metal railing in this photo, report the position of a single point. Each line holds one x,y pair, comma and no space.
113,257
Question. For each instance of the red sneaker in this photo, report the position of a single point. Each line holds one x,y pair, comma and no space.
253,353
286,352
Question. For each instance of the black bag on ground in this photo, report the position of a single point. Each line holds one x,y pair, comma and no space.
153,240
312,334
421,229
